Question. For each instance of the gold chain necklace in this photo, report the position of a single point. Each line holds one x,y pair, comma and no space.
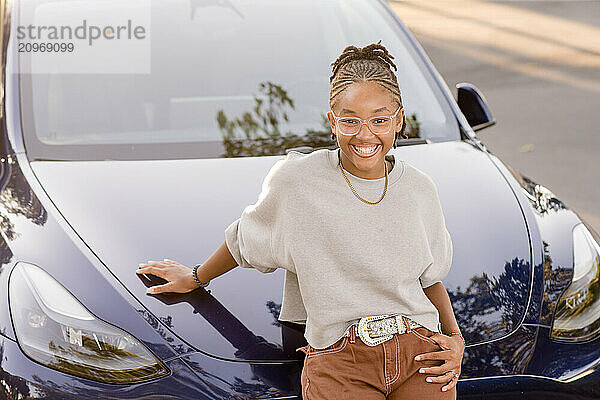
354,191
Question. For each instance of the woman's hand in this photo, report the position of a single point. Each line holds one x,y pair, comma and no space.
452,355
179,277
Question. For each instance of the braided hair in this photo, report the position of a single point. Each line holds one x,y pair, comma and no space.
372,63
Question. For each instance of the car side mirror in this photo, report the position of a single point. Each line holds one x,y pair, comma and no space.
474,107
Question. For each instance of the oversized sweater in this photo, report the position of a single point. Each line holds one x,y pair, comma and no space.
345,259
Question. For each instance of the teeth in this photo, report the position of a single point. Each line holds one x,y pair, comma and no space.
365,150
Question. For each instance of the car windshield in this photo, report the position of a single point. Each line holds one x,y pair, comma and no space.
238,78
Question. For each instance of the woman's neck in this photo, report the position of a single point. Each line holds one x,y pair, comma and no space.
361,174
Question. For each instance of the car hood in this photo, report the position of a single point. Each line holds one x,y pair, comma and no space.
129,212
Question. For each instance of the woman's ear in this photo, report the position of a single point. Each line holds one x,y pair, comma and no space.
401,133
331,125
400,121
331,121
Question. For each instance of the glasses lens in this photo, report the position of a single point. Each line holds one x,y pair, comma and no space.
380,125
349,126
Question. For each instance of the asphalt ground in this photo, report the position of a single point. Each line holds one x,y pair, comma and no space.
538,66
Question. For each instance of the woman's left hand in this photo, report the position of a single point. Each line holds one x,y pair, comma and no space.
452,355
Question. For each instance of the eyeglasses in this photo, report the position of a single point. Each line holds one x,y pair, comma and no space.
378,125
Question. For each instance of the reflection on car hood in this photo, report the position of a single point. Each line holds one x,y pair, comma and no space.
129,212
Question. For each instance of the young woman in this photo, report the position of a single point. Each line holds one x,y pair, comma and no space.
363,240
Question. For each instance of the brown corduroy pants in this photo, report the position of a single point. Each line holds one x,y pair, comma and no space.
350,369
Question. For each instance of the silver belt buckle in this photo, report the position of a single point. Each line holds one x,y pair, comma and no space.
376,329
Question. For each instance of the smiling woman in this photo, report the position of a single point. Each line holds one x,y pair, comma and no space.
386,293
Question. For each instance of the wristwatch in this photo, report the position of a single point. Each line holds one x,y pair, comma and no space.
200,284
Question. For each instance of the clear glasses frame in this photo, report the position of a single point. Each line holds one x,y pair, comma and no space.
362,122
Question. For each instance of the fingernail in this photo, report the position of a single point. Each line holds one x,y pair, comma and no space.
417,358
428,379
444,388
422,370
149,290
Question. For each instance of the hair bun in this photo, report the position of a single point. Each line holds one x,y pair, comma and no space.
373,51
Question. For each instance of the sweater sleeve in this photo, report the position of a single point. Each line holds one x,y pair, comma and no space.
249,238
440,242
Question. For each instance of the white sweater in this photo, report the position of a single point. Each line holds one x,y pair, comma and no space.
345,259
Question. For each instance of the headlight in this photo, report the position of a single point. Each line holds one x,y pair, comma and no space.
55,329
577,316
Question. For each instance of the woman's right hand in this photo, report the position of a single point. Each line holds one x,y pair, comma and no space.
179,277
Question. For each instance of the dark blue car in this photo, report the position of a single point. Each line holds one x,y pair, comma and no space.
108,161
